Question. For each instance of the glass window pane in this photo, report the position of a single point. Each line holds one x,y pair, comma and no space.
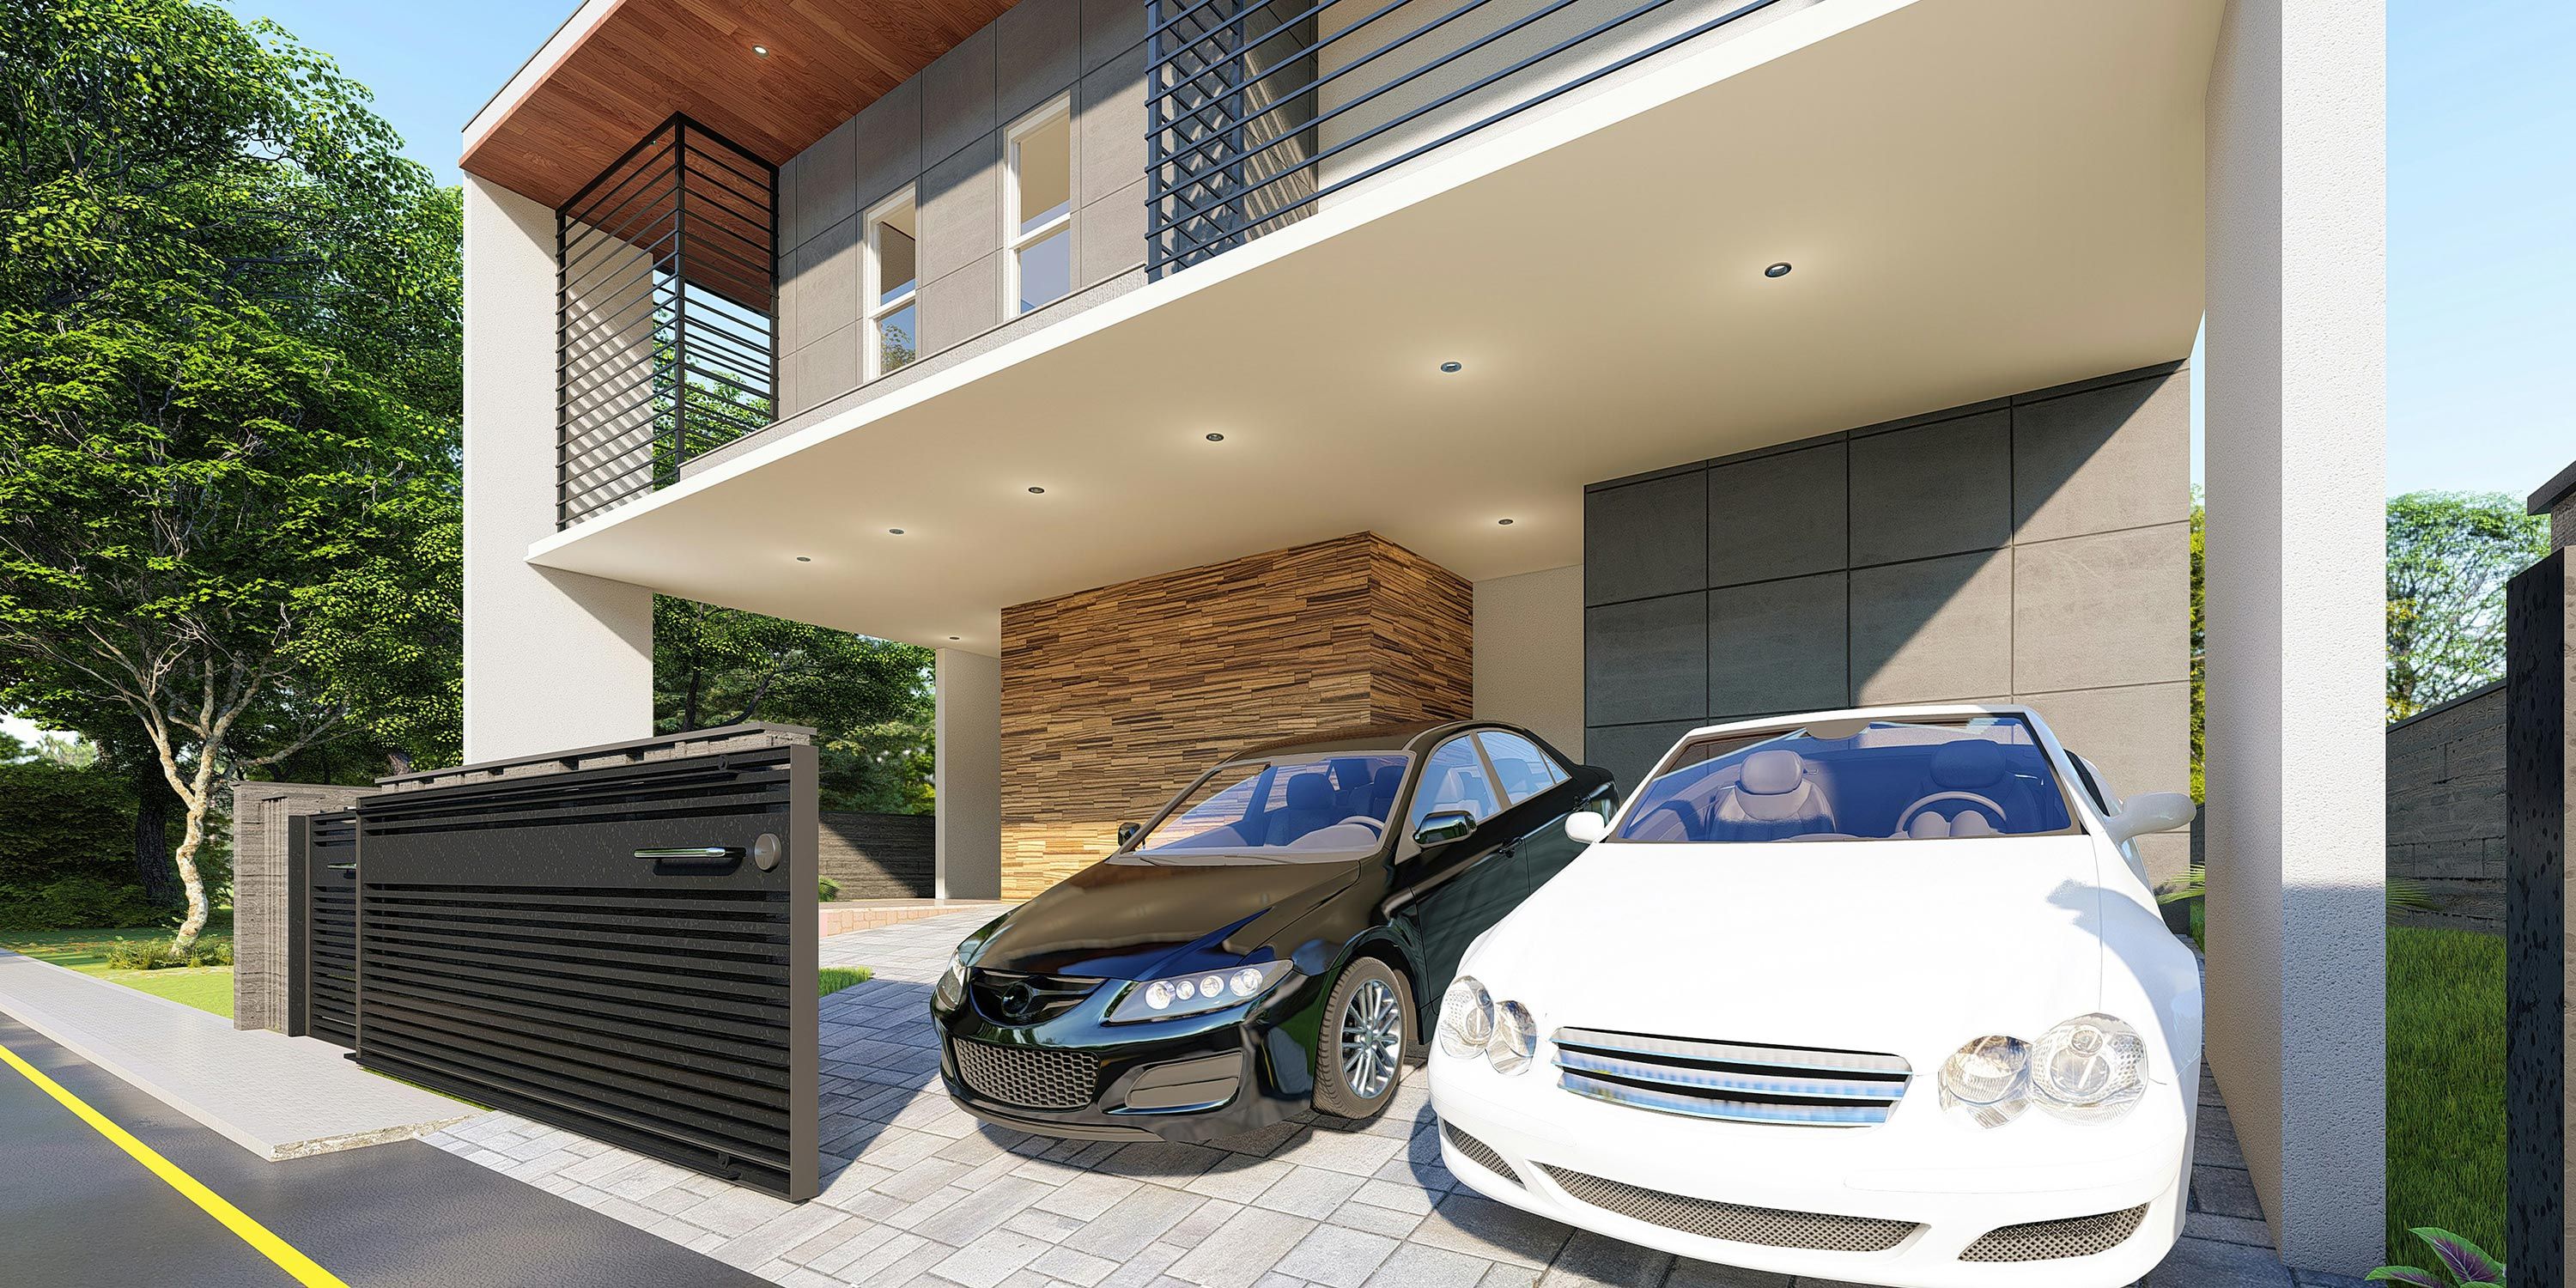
1885,780
1519,763
895,255
895,347
1043,161
1046,269
1453,779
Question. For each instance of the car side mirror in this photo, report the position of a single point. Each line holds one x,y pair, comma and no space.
1583,827
1127,832
1443,826
2152,812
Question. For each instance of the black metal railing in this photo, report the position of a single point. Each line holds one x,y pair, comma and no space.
1257,111
666,293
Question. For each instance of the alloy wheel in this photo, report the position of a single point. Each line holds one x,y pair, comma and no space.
1372,1039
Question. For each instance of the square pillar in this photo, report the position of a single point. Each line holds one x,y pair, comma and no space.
2295,580
552,659
260,896
967,775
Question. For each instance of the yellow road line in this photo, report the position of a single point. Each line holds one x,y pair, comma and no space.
295,1263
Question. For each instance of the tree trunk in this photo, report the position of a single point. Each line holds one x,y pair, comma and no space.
201,789
152,867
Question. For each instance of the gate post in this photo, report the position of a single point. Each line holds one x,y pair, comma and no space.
2540,676
261,891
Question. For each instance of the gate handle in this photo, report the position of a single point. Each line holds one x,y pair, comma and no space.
342,867
764,851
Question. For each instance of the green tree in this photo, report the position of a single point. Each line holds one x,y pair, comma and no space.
225,320
2449,556
868,699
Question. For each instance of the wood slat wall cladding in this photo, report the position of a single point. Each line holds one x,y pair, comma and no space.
1115,698
646,59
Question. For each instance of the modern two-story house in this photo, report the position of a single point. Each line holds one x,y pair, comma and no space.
1197,373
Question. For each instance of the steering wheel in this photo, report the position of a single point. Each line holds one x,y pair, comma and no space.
1905,819
1375,826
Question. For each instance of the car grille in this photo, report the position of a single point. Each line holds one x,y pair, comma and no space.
1031,1077
1734,1222
1737,1082
1013,998
2080,1236
1479,1153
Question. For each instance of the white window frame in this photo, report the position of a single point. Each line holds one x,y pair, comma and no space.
1013,239
875,309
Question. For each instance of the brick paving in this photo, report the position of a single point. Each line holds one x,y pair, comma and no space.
918,1193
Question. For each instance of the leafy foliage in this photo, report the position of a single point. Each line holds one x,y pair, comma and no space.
228,324
2199,648
53,822
2449,556
2466,1263
868,699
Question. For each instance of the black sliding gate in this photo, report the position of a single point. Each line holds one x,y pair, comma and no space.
322,921
628,953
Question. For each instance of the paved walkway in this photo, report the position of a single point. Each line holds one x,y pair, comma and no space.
276,1096
920,1194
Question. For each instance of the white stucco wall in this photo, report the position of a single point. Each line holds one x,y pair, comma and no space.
968,775
552,659
1529,653
2296,440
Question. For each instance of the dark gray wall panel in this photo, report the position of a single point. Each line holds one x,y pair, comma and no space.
1645,539
1934,490
1646,660
1629,751
1777,646
1778,516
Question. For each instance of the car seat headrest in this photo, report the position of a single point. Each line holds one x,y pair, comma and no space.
1774,773
1310,791
1968,763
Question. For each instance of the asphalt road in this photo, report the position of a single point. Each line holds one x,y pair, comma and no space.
76,1211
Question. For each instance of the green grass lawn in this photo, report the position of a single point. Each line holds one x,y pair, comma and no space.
835,978
2445,1088
208,988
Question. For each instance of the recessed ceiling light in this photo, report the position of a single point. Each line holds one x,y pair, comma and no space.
895,531
762,50
1504,522
1452,368
1216,438
1780,269
804,558
1037,491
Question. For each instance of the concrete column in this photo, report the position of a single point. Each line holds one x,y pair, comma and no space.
260,811
2295,578
968,777
552,659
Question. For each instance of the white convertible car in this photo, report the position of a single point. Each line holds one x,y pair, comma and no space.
1874,996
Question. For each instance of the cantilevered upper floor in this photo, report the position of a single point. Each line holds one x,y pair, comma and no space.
886,315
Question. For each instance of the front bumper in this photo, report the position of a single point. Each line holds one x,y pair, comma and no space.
1191,1078
1951,1184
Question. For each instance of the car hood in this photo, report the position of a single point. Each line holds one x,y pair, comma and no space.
1123,919
1910,947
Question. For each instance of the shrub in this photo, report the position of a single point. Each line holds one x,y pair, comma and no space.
829,889
62,823
2469,1266
77,902
155,954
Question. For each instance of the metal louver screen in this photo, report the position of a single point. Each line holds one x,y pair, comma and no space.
628,953
322,876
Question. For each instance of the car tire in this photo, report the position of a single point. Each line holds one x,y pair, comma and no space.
1367,1033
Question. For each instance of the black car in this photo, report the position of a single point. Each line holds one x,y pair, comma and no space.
1266,943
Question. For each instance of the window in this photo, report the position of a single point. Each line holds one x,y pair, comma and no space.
1522,769
1039,195
2095,785
893,285
1453,779
1850,781
1320,807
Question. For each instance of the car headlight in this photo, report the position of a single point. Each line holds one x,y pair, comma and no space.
1987,1081
952,982
2091,1069
1466,1018
1199,992
1515,1041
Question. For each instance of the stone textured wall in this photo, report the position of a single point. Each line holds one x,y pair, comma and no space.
878,856
1115,698
2034,548
2446,810
260,812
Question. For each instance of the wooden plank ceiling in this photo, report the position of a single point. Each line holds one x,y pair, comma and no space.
645,59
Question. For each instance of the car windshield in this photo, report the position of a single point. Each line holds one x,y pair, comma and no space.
1290,810
1855,781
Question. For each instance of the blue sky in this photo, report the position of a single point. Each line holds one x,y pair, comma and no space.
2481,202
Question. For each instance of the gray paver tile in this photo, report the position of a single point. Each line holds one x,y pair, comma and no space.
771,1239
1337,1256
1197,1226
1502,1276
1134,1222
1687,1273
2225,1191
1238,1177
1376,1220
1309,1192
2199,1263
991,1258
1074,1267
1247,1246
1416,1266
1087,1196
1590,1260
1481,1227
